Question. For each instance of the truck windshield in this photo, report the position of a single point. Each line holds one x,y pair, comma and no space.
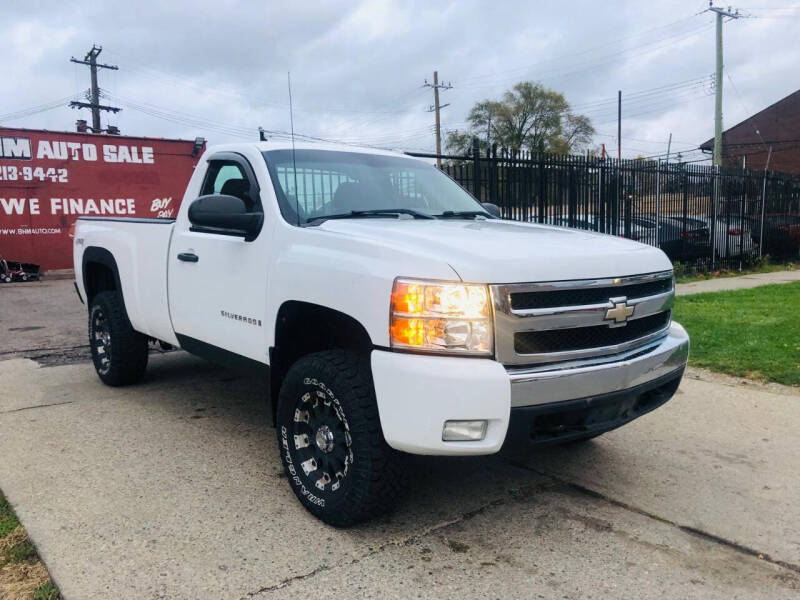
334,184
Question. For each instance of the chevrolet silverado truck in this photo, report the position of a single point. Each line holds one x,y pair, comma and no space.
392,312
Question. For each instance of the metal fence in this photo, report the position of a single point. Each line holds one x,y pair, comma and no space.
702,216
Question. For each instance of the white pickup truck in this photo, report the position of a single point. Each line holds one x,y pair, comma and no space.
392,311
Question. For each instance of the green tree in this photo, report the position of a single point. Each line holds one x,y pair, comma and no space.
527,117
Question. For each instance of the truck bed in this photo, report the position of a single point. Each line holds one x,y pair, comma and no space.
139,247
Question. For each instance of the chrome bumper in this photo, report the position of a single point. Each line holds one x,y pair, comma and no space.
592,377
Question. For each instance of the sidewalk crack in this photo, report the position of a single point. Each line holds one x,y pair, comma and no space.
735,546
13,410
400,543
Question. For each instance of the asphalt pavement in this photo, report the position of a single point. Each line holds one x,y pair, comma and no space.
173,489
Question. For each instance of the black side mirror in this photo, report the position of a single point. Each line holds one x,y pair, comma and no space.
492,209
224,215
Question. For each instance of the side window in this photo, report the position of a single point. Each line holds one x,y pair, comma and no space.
228,178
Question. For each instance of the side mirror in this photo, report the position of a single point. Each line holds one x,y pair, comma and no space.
224,215
492,209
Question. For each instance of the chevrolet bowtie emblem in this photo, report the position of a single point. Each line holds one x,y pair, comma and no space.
620,312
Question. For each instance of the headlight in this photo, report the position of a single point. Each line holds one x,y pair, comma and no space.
441,317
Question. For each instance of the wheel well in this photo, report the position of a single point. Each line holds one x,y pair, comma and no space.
303,328
98,278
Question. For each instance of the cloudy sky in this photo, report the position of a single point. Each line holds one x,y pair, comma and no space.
218,69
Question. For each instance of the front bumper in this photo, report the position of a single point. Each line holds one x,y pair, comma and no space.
569,420
416,394
591,377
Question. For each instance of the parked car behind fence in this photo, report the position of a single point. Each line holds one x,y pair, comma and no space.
700,215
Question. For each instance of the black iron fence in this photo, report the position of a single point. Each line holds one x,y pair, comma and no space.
700,215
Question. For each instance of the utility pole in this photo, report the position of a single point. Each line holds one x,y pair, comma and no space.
436,108
94,95
721,13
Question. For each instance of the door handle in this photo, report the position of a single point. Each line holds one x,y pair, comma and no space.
188,257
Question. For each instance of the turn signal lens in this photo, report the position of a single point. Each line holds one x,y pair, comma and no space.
441,317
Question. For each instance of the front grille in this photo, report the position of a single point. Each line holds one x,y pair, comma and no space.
562,321
587,295
581,338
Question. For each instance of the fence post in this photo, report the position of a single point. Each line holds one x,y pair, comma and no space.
715,175
628,204
600,221
542,188
617,195
572,208
763,215
476,169
658,202
742,202
493,174
764,204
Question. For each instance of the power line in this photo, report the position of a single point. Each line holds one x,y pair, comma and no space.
34,110
560,73
657,108
645,94
747,110
174,80
580,53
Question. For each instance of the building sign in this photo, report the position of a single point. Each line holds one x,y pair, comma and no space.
48,180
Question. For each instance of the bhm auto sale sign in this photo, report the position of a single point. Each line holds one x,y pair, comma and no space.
48,180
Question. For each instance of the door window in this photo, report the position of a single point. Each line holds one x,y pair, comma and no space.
228,178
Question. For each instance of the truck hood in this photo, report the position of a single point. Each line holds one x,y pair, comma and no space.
495,251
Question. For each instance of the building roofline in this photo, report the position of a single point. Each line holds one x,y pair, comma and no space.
104,136
709,144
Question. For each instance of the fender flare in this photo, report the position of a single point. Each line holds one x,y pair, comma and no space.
96,254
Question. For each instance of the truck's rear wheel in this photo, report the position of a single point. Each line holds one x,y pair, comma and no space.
119,353
330,439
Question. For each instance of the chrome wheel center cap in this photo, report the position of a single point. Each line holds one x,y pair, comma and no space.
324,438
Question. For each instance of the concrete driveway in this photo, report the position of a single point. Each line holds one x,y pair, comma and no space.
173,489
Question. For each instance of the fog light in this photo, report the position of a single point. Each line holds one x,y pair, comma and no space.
463,431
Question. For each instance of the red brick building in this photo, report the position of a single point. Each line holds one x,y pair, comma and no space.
777,125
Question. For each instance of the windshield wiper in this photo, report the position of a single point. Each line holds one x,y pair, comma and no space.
456,214
374,212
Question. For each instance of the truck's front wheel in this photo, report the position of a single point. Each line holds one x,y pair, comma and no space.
119,353
330,439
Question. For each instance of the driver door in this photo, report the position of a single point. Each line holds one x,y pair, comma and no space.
218,282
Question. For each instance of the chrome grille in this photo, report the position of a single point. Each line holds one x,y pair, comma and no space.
596,336
565,320
587,295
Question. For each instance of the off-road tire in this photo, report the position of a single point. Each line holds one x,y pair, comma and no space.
120,358
340,382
